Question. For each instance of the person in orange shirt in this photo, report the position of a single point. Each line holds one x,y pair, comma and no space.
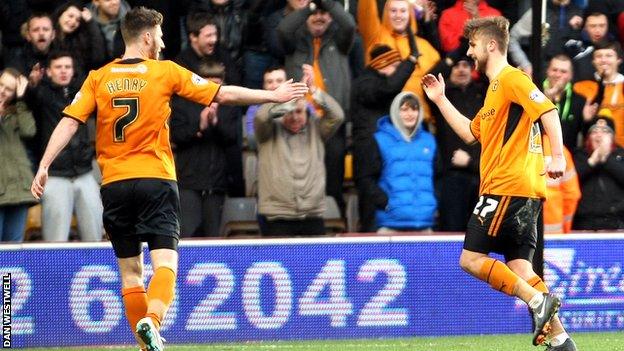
139,192
607,90
512,173
562,197
394,30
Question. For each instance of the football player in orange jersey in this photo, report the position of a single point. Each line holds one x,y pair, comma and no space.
512,173
139,191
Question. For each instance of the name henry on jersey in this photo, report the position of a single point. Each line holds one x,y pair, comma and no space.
125,84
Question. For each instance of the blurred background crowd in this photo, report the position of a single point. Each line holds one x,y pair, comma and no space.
364,152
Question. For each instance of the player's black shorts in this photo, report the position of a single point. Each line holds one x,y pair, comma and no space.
504,224
141,210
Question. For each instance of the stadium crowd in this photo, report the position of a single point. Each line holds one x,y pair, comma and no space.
366,131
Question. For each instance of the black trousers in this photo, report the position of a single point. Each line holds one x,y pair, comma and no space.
459,192
200,213
294,227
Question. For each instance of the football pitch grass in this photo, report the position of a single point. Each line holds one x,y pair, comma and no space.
513,342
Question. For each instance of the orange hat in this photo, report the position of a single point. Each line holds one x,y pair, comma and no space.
383,56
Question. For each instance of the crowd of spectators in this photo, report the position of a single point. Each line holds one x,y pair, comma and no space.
363,61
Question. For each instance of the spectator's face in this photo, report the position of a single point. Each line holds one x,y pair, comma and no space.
596,27
399,15
220,2
318,22
61,71
561,2
298,4
295,120
606,62
477,50
461,73
110,8
599,135
409,115
70,20
559,72
205,42
8,85
40,33
273,79
389,69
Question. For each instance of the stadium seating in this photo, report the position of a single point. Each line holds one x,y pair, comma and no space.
239,216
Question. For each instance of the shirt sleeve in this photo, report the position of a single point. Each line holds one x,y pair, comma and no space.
475,128
520,89
191,86
83,104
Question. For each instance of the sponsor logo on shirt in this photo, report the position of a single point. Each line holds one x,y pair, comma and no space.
487,114
537,96
141,68
197,80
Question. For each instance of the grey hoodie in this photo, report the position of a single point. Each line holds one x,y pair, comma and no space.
396,118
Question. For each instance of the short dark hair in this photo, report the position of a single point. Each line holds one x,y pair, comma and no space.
273,68
198,20
55,55
608,45
411,101
138,20
210,68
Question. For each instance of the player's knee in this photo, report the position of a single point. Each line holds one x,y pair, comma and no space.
467,264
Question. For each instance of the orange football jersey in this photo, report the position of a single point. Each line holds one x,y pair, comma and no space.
131,99
511,142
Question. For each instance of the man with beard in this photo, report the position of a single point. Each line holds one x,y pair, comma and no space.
32,59
140,196
512,175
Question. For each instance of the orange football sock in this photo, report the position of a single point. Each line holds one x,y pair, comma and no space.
160,293
538,284
135,302
498,275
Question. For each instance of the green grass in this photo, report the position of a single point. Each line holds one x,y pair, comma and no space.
513,342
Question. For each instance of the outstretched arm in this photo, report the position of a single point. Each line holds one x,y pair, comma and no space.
434,88
235,95
61,135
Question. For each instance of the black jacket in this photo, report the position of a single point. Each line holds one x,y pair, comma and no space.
27,58
188,59
201,161
602,186
47,101
231,20
468,101
371,96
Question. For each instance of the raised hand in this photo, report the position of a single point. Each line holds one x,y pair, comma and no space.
36,74
86,14
22,83
589,110
289,90
434,88
308,77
